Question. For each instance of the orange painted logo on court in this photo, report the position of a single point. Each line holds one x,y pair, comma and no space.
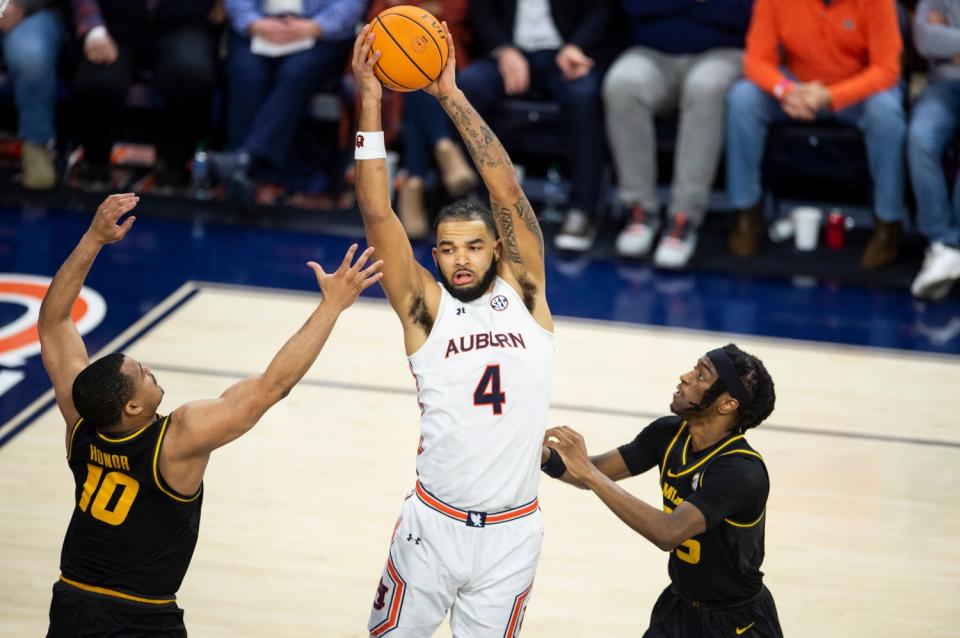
19,339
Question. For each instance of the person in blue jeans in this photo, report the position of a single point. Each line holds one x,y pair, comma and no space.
933,124
32,33
807,61
560,48
269,92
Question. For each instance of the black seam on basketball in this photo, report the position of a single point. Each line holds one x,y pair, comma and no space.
429,33
387,75
402,50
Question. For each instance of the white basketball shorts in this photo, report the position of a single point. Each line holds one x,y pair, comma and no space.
478,565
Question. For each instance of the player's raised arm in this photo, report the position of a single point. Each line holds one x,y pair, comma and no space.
61,348
405,282
516,221
199,427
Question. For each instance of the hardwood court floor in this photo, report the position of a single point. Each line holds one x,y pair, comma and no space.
863,451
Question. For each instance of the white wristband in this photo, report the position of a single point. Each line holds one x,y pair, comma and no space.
369,145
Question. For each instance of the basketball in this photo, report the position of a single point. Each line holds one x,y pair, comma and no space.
412,45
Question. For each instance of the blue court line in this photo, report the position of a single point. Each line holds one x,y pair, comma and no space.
139,334
631,414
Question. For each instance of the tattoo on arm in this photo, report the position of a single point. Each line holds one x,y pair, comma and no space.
483,145
529,218
505,219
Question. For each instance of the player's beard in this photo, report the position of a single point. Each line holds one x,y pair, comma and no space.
471,293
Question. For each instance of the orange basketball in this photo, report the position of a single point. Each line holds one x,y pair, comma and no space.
412,45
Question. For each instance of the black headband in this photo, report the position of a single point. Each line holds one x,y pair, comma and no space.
728,374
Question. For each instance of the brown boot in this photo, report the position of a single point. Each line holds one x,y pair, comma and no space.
458,176
745,237
884,244
410,208
38,170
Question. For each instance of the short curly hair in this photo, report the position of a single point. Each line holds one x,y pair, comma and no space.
755,379
466,210
101,390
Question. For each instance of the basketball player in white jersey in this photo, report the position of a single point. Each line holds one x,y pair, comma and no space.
480,345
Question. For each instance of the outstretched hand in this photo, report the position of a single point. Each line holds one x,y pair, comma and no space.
573,450
104,228
446,82
342,287
364,59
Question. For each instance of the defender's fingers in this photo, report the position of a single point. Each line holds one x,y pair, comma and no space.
348,258
127,224
372,268
362,259
371,280
317,269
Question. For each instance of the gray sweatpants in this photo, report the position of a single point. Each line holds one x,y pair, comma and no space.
643,83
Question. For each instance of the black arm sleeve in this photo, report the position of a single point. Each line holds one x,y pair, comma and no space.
647,449
734,487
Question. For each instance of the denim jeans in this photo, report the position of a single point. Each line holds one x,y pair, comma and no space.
270,96
880,117
31,51
581,105
424,124
934,122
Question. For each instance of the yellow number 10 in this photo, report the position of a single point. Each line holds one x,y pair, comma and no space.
110,482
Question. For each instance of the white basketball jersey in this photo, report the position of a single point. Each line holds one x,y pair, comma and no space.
484,380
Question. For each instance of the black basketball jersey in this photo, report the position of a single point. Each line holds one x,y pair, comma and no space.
130,532
728,483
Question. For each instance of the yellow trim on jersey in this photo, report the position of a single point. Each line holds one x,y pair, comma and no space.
750,452
683,453
736,524
73,435
156,473
703,460
124,439
116,594
666,454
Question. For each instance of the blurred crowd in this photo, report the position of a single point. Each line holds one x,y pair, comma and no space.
725,70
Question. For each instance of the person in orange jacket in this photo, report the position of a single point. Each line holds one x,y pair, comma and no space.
841,60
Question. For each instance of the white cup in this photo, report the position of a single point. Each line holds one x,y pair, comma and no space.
806,222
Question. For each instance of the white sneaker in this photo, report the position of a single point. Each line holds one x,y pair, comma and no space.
577,232
677,244
637,238
941,268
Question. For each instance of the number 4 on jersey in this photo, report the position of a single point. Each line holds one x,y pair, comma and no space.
488,390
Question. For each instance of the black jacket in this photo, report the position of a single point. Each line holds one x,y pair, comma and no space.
585,23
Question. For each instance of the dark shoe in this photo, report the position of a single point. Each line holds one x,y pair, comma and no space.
233,170
744,240
92,177
577,233
884,244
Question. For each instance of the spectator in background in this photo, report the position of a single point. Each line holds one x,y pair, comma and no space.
557,47
280,53
172,37
32,32
683,55
426,128
842,62
933,124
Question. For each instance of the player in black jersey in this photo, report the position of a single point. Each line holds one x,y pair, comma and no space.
714,489
138,475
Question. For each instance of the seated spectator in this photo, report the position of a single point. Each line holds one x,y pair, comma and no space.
842,62
32,32
280,53
427,130
174,38
682,56
934,122
556,47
